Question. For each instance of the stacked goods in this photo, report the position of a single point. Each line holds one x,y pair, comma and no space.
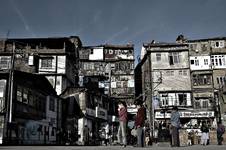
224,139
183,137
213,137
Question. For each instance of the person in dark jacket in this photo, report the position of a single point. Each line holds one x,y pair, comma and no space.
139,123
122,112
220,132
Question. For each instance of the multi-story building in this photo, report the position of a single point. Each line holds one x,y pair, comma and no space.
28,109
113,64
94,109
55,58
207,60
108,69
166,79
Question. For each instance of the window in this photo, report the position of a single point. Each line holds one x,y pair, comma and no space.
182,99
221,44
180,72
192,62
164,99
201,79
51,104
218,60
218,44
204,47
196,62
205,104
193,47
119,84
197,104
91,51
206,62
174,58
170,73
25,96
2,93
158,57
111,51
185,73
5,62
46,62
2,87
31,60
19,94
30,99
221,81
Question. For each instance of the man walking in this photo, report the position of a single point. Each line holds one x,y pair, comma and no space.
175,124
139,123
220,132
122,112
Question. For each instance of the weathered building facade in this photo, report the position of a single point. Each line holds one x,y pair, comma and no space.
28,109
55,58
108,70
113,65
93,110
207,59
166,78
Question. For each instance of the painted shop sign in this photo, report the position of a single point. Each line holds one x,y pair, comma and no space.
201,114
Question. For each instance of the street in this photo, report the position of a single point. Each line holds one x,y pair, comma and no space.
195,147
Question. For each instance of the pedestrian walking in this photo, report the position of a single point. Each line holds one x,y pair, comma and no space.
175,124
122,112
107,132
156,134
139,123
220,132
205,133
86,135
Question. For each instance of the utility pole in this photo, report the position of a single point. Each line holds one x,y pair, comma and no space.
11,77
150,100
10,96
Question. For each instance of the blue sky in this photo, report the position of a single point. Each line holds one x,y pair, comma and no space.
113,21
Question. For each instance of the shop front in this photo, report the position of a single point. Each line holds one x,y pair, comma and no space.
191,122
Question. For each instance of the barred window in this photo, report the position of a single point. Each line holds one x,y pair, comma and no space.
46,63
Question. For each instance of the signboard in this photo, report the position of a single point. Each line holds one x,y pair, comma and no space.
132,109
90,112
101,113
199,114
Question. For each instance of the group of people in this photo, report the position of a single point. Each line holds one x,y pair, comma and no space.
174,127
139,125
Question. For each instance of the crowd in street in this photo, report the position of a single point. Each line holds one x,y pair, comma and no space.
142,135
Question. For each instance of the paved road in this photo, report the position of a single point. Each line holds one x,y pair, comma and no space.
195,147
